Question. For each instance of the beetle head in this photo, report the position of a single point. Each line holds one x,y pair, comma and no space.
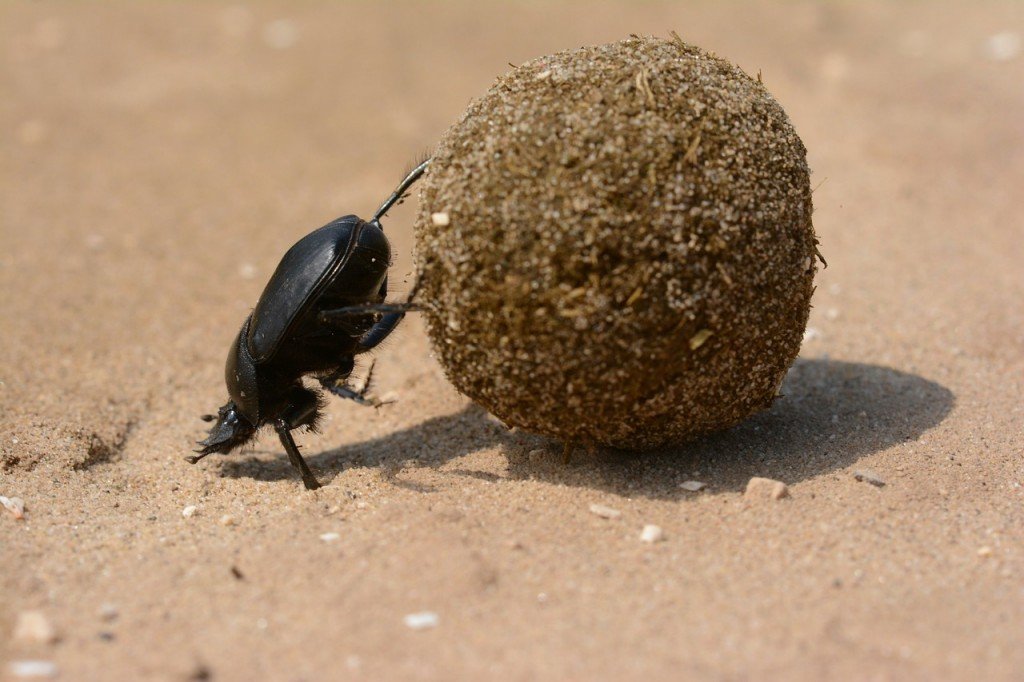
230,431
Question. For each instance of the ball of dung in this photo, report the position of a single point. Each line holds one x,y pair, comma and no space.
615,245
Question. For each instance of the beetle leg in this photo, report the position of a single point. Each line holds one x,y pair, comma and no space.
284,433
335,384
366,309
400,191
379,332
393,314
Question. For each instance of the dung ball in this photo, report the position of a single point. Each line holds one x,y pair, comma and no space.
615,247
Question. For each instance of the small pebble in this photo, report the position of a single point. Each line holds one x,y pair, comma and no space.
189,511
108,612
33,627
15,505
422,620
765,488
440,219
605,512
227,520
1003,47
652,534
33,668
329,537
985,551
693,486
869,476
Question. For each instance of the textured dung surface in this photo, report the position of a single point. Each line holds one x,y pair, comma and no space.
630,254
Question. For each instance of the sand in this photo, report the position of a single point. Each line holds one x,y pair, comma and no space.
157,160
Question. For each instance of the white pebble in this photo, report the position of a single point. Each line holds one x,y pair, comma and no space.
34,627
605,512
693,486
422,620
330,537
15,505
247,271
652,533
811,333
189,511
1002,47
108,612
869,476
227,520
440,219
33,668
765,488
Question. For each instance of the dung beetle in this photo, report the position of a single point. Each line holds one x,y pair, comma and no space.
323,306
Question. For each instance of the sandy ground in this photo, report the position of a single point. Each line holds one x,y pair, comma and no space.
156,162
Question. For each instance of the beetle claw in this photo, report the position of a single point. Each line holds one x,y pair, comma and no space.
192,459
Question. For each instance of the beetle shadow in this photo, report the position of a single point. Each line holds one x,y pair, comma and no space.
418,443
833,413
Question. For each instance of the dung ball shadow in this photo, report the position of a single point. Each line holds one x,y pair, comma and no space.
832,413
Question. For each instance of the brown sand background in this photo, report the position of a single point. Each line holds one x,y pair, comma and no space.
157,159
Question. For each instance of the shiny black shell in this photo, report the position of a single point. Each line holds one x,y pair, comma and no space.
344,261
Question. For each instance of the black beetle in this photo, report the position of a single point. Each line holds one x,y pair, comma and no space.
323,306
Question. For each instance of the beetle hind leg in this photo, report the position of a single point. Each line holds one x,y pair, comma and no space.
336,385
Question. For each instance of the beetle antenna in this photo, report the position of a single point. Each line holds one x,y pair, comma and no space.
400,191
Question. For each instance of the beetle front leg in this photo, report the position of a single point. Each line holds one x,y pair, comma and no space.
284,433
